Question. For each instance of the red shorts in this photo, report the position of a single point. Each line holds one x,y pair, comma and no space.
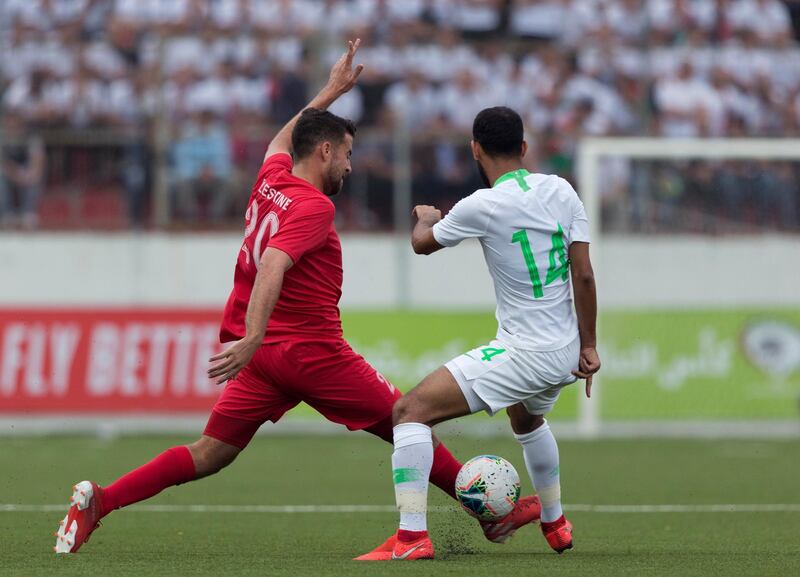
328,376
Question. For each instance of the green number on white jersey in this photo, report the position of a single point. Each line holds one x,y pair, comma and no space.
521,236
489,352
558,252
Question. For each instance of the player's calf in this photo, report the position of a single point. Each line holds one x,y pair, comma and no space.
211,455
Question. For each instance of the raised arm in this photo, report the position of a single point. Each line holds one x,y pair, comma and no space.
342,78
586,309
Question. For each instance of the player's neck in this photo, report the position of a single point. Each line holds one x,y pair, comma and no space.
494,170
307,173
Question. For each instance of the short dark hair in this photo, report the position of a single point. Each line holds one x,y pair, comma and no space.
315,126
499,131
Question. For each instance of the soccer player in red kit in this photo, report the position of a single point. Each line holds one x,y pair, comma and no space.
283,320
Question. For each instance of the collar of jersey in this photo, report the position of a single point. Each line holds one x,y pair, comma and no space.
517,175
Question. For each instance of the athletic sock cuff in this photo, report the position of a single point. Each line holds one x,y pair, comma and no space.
184,464
533,435
407,434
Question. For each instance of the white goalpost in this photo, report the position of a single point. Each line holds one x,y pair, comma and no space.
771,254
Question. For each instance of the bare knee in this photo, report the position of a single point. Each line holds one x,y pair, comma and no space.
522,421
211,455
402,411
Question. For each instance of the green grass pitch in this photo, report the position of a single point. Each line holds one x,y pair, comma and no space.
355,470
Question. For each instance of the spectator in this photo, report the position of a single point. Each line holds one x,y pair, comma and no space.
684,103
202,169
21,174
413,101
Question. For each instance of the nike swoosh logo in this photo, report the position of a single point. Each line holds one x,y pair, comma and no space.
407,553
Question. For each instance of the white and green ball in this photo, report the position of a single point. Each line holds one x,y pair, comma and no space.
487,487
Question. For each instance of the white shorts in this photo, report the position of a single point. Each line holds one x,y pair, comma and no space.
496,376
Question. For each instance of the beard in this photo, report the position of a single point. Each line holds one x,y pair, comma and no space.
482,172
333,184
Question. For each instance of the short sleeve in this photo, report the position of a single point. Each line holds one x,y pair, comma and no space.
276,164
304,229
579,228
467,219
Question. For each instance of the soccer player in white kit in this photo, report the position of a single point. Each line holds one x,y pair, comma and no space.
534,234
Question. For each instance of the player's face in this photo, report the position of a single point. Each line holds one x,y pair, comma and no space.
339,167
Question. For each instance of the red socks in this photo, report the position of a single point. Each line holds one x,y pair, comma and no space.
410,536
445,470
172,467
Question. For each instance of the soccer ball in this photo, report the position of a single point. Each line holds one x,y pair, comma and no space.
487,487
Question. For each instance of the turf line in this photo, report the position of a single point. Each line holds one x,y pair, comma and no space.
718,508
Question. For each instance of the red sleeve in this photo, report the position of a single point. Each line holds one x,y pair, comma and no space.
305,228
275,164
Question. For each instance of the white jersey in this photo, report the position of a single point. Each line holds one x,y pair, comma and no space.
525,224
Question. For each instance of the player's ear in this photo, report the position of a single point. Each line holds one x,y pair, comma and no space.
326,150
477,151
524,149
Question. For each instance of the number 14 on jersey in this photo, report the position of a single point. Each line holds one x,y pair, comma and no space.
558,252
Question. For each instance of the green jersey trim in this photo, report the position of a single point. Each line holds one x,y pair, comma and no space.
518,175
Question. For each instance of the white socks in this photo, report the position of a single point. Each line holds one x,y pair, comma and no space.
541,459
411,467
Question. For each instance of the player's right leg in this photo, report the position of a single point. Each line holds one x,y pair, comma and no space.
244,405
90,502
346,389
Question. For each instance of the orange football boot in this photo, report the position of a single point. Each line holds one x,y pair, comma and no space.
382,552
527,510
558,534
422,548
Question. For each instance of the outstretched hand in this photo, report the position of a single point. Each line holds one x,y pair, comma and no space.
233,359
588,365
343,76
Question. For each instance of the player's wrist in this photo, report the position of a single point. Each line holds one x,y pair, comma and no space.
253,339
326,96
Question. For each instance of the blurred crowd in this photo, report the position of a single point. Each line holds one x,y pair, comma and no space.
121,98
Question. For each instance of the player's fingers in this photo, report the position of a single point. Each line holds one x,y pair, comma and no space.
589,387
581,375
219,356
219,369
222,377
229,375
358,70
353,47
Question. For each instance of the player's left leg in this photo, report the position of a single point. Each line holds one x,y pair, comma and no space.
551,372
540,451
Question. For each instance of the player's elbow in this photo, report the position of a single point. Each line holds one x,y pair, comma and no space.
420,246
583,277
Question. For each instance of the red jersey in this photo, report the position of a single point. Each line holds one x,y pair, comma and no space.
288,213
